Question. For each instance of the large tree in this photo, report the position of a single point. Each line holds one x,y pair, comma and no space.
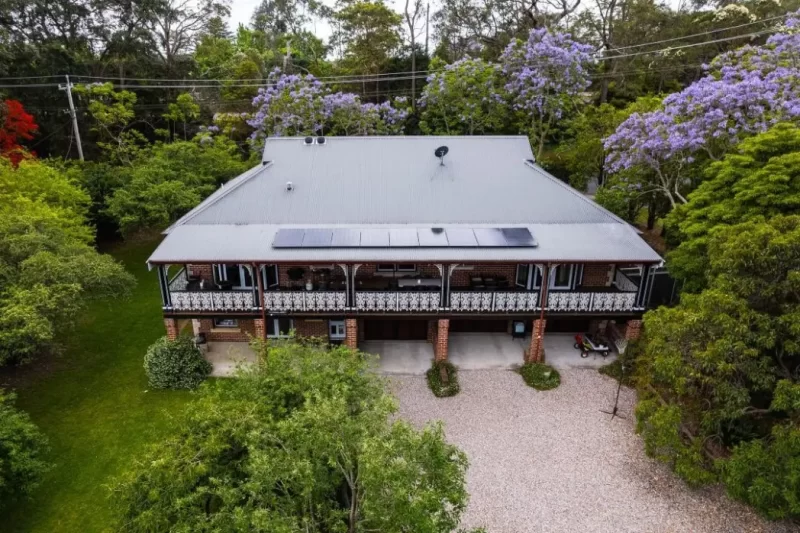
22,447
303,441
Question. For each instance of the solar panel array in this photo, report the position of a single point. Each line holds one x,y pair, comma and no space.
403,238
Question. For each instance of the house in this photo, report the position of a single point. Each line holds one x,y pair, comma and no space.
406,238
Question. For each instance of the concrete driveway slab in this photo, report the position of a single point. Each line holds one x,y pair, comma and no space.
485,351
400,357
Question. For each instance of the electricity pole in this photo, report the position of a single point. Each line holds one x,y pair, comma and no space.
68,88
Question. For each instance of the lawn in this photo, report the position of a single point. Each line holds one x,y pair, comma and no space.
95,408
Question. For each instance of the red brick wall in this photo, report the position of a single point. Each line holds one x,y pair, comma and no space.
442,338
633,329
536,350
171,326
243,333
596,275
203,271
311,328
351,339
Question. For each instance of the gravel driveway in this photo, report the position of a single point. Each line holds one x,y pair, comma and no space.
551,461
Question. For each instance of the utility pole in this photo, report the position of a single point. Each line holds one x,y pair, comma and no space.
68,88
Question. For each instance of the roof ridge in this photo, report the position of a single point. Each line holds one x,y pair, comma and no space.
220,193
574,192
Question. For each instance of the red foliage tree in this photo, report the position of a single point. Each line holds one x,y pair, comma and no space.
17,126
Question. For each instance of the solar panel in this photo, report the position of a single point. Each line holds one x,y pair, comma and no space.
461,237
346,238
317,238
431,237
403,238
519,237
490,237
374,238
288,238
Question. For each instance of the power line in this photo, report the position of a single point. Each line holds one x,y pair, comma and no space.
704,43
709,32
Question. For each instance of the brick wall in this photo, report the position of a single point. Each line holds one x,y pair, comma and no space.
171,325
351,338
311,328
440,347
596,275
431,338
535,352
243,333
633,329
461,278
202,271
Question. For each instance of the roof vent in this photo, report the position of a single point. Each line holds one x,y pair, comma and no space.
440,153
320,140
308,140
289,186
437,230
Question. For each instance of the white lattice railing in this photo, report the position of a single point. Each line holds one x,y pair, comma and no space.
212,300
591,301
287,301
471,301
397,301
624,283
180,281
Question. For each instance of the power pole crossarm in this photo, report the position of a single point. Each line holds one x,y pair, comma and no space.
68,87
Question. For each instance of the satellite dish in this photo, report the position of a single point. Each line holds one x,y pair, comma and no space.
440,153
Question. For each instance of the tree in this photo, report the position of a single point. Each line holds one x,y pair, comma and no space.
745,92
183,110
22,447
721,371
547,74
464,98
304,440
760,178
17,126
49,268
413,16
367,32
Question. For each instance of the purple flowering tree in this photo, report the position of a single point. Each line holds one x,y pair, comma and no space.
744,92
546,76
301,105
464,98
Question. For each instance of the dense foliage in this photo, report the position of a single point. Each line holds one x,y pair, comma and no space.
175,364
442,379
304,440
48,266
540,376
22,447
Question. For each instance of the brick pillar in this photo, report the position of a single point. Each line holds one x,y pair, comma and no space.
196,327
172,328
258,328
536,350
442,338
633,329
351,333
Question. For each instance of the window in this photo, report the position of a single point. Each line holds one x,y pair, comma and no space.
279,327
529,274
226,323
337,329
270,273
523,271
396,267
561,277
234,276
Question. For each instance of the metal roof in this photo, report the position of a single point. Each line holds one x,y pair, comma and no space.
608,242
398,182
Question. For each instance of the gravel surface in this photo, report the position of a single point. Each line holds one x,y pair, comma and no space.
551,461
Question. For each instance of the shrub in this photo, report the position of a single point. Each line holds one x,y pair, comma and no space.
439,388
628,358
540,376
21,448
175,364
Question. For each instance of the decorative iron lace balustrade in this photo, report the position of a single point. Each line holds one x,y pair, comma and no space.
500,301
212,300
293,301
403,301
591,301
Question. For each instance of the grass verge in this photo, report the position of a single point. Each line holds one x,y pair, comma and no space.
95,407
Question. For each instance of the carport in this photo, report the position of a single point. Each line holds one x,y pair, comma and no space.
483,351
400,357
560,352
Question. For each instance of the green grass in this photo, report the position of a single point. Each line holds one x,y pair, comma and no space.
95,408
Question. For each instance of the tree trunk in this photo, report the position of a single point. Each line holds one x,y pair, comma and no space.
651,214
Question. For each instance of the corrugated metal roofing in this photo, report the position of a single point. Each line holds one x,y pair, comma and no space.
253,243
399,180
396,182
